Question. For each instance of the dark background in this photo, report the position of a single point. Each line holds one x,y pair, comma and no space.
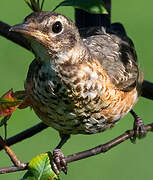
124,162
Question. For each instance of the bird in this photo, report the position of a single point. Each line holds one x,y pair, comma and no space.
82,81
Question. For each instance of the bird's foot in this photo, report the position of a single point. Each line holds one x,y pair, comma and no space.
138,127
58,162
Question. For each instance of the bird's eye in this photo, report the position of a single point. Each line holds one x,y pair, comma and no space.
57,27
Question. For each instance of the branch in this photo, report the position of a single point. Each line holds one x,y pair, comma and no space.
12,36
147,90
25,134
104,147
88,153
11,154
12,169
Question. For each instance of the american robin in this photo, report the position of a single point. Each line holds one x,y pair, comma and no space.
81,81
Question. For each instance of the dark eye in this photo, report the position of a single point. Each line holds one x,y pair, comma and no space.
57,27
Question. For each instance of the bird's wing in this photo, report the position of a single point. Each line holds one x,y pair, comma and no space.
117,55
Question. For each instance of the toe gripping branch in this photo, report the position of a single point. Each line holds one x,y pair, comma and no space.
58,160
138,127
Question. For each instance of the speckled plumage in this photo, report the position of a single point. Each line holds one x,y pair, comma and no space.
79,83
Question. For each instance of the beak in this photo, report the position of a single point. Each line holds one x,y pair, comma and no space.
28,30
24,29
19,28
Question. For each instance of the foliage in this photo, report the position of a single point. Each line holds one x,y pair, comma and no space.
40,168
35,5
8,103
91,6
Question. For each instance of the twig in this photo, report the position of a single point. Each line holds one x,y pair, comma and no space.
12,169
88,153
25,134
11,154
104,147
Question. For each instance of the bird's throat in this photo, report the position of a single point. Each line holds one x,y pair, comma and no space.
40,52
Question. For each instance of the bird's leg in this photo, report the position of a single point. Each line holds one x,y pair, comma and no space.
138,127
58,161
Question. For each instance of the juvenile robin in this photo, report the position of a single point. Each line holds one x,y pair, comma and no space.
81,81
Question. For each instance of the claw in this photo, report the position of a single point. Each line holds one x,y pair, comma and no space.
58,162
138,127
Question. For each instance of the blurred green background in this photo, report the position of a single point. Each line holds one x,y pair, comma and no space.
124,162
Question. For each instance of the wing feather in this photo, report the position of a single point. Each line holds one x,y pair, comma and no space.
116,52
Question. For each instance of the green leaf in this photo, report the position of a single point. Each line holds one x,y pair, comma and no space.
91,6
39,168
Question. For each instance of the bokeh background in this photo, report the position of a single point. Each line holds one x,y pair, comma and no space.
124,162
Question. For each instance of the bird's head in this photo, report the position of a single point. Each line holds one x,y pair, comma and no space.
48,32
